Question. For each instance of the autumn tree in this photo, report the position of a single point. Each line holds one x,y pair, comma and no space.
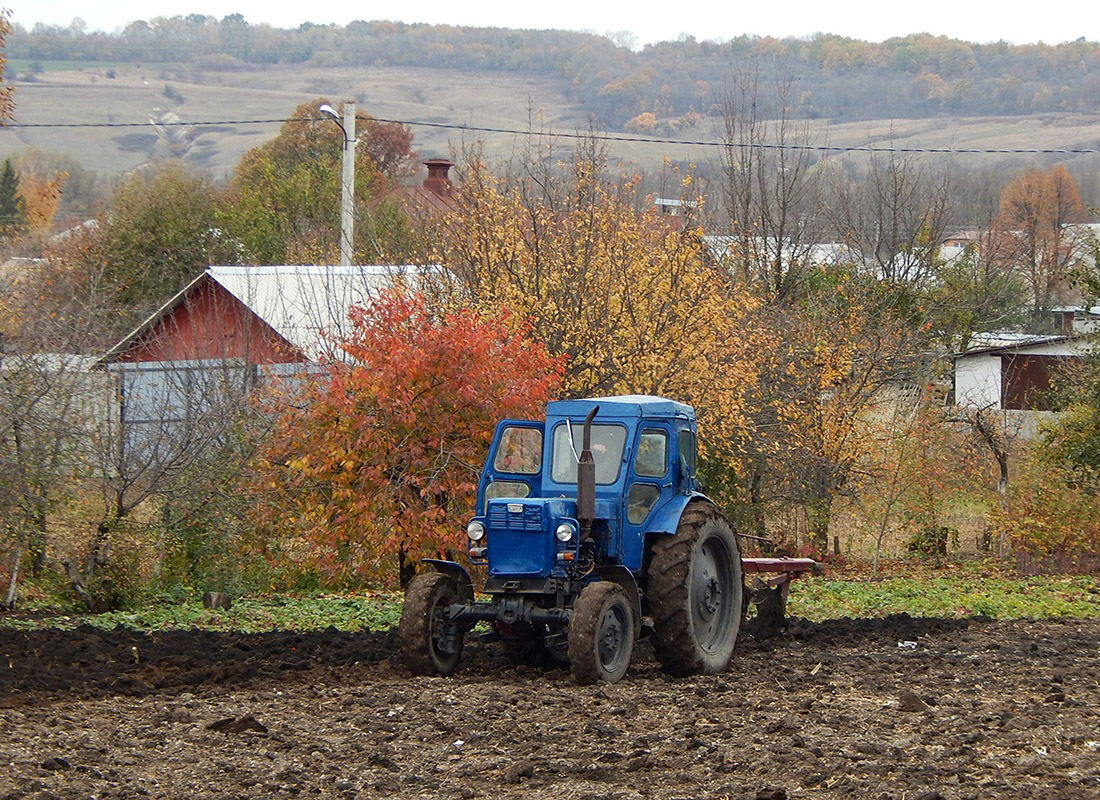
7,91
286,193
924,469
82,191
375,463
628,297
828,365
40,196
1036,208
162,228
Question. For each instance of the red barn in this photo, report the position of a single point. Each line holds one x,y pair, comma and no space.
212,342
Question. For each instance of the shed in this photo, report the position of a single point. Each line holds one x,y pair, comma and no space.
1012,371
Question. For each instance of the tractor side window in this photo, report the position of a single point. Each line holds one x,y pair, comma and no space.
651,460
506,489
639,501
607,451
687,451
519,452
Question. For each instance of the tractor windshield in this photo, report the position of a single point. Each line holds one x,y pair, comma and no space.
607,450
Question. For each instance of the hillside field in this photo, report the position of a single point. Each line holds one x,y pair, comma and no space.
86,94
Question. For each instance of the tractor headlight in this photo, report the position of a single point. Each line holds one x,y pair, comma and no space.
564,532
476,531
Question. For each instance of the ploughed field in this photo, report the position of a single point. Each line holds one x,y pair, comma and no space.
892,708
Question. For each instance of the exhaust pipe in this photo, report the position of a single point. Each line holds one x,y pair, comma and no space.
586,480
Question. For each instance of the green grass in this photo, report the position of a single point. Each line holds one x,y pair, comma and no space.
373,611
929,595
956,596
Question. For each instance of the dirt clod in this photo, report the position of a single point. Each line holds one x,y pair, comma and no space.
909,701
231,725
519,770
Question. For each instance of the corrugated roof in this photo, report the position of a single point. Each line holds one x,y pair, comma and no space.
1008,340
307,305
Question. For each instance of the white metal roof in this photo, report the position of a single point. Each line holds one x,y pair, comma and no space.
306,304
987,339
1009,341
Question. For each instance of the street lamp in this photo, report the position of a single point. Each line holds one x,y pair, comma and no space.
347,185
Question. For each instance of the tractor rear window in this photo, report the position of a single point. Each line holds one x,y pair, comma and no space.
607,451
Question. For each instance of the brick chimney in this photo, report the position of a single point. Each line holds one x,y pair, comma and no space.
438,180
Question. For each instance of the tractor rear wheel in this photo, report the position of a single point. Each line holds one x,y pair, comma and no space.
426,647
601,634
695,593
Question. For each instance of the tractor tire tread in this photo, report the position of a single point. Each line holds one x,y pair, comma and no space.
582,631
414,629
669,595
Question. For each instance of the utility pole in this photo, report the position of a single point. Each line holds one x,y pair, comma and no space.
347,188
347,184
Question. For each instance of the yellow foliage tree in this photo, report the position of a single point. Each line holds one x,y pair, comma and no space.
630,298
40,199
7,91
832,369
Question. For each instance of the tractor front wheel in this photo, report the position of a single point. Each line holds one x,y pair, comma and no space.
427,646
601,634
694,587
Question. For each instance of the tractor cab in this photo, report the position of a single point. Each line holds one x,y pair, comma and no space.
643,453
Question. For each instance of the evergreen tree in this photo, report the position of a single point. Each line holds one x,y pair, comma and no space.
12,211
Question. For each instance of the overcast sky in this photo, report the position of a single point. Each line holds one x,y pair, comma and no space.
1057,21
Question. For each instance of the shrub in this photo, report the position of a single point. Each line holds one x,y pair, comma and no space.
1051,518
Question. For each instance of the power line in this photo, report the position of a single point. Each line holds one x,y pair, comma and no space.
604,137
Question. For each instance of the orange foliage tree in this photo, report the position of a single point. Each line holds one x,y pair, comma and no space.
1032,234
376,461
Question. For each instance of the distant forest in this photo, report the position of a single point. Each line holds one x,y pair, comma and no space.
659,89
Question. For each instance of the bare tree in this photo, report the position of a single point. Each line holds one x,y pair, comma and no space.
895,219
770,190
991,429
178,436
50,406
45,400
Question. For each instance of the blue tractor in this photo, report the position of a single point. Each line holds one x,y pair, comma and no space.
594,533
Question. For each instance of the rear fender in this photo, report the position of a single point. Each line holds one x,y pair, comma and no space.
622,576
667,519
456,571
